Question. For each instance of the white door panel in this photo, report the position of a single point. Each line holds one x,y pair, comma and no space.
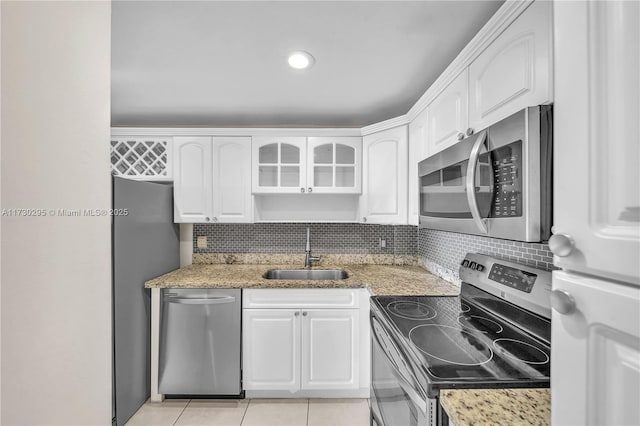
595,357
597,178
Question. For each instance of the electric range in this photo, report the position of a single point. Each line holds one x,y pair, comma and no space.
495,334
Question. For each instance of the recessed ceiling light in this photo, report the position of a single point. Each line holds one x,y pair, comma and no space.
300,60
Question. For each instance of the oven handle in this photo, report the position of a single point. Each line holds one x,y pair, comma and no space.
471,183
419,401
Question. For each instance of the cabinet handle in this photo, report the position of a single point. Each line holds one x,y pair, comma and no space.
310,189
302,190
562,302
470,131
460,136
304,314
296,314
561,244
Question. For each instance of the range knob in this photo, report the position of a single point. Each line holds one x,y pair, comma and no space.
479,267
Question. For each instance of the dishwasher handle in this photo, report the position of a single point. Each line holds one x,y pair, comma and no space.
218,300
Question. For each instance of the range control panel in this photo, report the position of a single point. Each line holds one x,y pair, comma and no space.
522,285
512,277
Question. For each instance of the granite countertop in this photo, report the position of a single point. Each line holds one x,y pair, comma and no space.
379,279
497,406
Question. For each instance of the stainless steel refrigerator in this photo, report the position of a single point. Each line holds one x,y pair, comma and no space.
145,244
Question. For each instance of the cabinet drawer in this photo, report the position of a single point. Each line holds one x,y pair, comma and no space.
300,298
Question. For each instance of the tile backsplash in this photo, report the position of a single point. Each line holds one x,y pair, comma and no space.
441,252
338,238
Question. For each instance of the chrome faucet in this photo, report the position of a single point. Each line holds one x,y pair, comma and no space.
308,259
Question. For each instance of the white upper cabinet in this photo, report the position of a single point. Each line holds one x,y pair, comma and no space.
596,174
515,71
232,179
279,165
384,177
447,116
192,186
333,165
324,165
212,179
417,149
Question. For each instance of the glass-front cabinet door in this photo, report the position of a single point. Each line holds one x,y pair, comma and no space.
333,165
279,164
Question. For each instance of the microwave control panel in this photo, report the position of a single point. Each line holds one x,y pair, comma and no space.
507,177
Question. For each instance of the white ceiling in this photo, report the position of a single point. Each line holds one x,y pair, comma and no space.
220,64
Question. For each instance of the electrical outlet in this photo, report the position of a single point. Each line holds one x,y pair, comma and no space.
383,243
202,242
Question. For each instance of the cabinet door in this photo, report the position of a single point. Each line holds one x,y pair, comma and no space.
279,165
330,349
417,143
232,179
447,115
333,165
596,174
515,70
595,361
384,177
192,184
271,349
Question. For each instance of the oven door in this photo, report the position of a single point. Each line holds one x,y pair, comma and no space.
396,399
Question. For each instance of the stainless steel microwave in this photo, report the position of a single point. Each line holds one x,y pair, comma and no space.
496,182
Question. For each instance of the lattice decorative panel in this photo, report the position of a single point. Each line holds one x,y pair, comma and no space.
143,158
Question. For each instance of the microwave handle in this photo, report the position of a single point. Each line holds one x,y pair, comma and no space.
471,183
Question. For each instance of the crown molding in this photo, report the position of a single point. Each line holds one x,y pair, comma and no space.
233,131
503,17
385,125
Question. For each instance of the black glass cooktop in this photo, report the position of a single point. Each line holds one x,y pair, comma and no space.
458,344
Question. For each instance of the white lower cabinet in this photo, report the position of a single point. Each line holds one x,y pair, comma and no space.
330,349
316,349
271,349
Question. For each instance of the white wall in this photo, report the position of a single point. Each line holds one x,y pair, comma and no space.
55,271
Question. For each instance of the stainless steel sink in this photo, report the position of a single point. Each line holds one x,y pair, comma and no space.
306,274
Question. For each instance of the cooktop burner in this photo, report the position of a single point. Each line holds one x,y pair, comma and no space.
411,310
450,344
520,351
481,324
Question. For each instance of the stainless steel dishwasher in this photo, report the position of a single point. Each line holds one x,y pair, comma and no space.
200,342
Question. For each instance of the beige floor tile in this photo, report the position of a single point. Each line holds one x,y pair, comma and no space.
221,412
276,412
158,413
338,412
